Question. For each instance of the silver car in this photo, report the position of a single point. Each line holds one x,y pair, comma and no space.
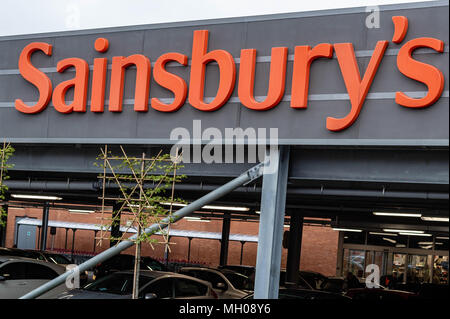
226,283
153,285
20,275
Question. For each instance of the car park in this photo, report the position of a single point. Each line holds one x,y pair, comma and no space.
153,285
19,275
226,283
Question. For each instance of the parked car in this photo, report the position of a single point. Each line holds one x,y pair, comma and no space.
52,257
35,254
300,284
248,271
314,279
125,262
378,294
19,275
334,284
433,291
226,283
153,285
306,294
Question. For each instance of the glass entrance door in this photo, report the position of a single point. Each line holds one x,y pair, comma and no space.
354,262
399,267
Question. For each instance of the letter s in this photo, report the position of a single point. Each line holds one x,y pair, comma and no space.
35,77
429,75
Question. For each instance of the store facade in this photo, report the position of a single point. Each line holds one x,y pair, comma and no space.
356,113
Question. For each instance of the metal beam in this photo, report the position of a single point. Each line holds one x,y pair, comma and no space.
294,248
45,213
244,178
225,240
273,201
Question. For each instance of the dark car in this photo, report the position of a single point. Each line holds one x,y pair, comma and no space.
125,262
306,294
433,291
34,254
378,294
20,253
301,283
334,284
314,279
52,257
153,285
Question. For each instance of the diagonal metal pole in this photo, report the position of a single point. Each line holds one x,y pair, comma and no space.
245,178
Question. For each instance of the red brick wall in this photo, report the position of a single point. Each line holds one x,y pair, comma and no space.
319,245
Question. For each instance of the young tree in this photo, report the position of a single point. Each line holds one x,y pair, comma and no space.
146,193
6,151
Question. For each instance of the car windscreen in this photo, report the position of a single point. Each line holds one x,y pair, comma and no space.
117,283
239,281
58,259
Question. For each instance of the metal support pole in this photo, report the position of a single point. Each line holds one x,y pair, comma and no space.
189,249
73,244
242,252
44,227
294,248
273,201
39,238
225,239
65,243
340,255
247,177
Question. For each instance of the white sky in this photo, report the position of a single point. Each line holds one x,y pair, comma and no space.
36,16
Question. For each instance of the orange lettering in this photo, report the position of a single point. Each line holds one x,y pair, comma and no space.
357,89
143,67
35,77
200,58
99,77
170,81
303,57
79,82
277,79
429,75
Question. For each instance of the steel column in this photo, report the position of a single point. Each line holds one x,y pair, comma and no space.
44,227
273,201
294,248
247,177
226,221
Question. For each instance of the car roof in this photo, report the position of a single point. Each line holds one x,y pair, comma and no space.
200,268
58,268
158,274
149,273
5,258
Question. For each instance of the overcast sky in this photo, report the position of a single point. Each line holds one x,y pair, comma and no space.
36,16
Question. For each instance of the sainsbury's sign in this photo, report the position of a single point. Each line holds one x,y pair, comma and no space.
304,55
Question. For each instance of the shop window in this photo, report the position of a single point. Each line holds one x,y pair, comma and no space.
440,270
354,262
399,267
